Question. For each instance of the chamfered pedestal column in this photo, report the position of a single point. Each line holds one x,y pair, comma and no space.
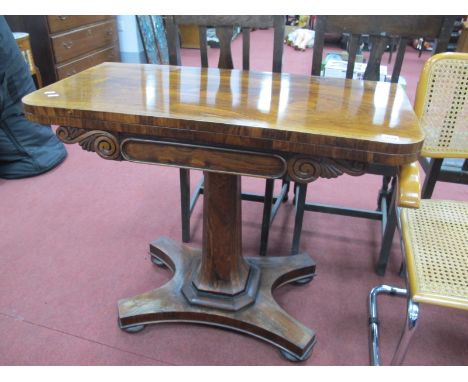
223,279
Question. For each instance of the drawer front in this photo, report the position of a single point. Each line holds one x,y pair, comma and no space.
108,54
63,23
73,44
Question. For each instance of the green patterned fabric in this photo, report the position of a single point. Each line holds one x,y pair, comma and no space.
153,35
161,40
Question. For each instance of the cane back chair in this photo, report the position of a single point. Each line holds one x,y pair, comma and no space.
435,236
224,30
383,31
440,140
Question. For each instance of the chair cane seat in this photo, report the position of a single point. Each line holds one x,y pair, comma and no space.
436,245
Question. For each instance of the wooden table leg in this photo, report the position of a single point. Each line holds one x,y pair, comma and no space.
218,286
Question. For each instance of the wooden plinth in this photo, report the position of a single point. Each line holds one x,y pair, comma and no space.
217,285
263,319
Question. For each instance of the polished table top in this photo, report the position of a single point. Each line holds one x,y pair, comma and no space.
368,121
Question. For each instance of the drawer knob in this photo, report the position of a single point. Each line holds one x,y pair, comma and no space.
63,18
71,72
67,44
109,32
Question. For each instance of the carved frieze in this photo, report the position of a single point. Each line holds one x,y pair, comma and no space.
304,169
300,168
103,143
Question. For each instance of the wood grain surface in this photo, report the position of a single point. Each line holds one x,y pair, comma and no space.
264,319
371,122
201,157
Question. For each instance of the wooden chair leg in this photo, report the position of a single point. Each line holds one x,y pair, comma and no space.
383,191
465,165
299,197
432,174
267,206
287,183
185,203
388,233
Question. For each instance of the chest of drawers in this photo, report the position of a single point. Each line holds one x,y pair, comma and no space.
65,45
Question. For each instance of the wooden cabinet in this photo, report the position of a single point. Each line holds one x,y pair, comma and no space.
65,45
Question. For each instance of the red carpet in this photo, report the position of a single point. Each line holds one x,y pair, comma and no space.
75,240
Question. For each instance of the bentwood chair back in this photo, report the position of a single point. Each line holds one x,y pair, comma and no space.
224,30
435,236
383,31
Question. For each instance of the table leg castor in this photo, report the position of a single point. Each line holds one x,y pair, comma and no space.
304,280
157,262
131,329
292,358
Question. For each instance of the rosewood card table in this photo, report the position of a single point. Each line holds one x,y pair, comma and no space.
229,123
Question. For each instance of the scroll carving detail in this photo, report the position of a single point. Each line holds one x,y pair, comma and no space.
103,143
303,169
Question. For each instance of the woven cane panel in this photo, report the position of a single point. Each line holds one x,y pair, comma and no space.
445,115
438,233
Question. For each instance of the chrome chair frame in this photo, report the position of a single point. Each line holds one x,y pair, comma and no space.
412,319
412,316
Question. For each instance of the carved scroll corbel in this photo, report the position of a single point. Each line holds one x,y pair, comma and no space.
304,169
103,143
